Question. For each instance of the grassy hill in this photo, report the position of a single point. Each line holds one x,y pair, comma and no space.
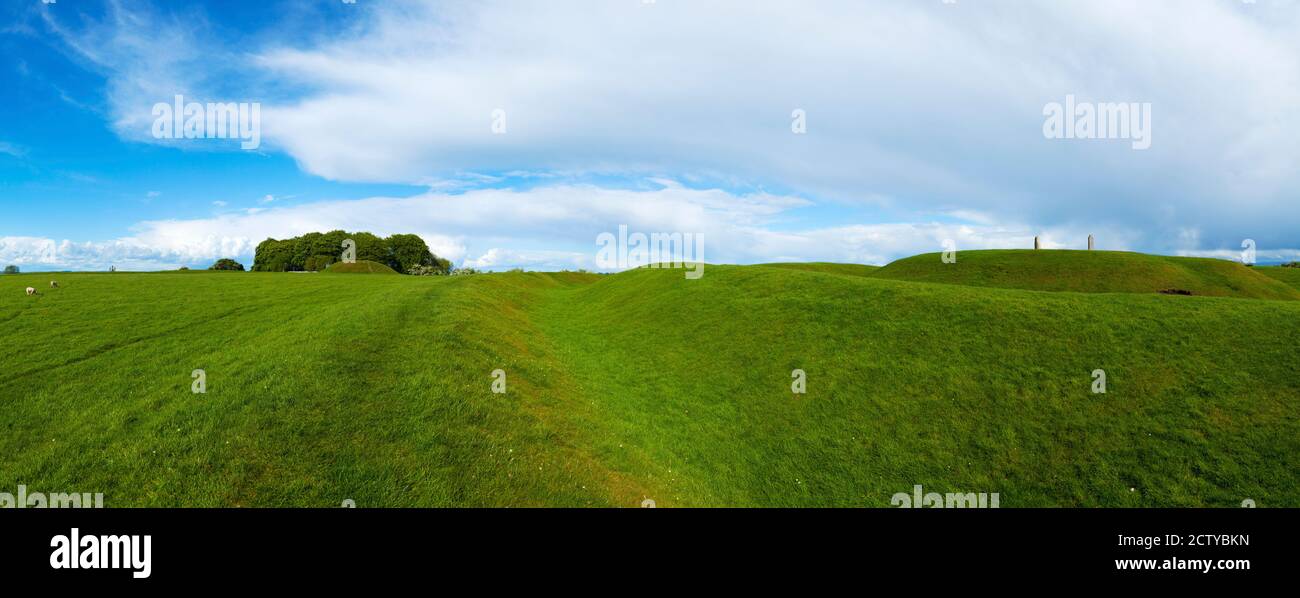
641,384
1090,272
359,267
1289,276
828,268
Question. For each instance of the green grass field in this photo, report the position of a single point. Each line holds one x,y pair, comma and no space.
645,385
1290,276
828,268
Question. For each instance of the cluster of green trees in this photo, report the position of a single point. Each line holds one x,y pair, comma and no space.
227,264
313,252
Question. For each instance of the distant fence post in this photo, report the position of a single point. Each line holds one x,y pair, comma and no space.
1089,242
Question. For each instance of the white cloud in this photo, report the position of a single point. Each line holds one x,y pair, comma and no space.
149,57
916,102
1262,255
551,228
546,261
912,106
12,150
36,254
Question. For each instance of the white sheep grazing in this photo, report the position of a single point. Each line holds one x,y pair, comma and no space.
31,291
54,284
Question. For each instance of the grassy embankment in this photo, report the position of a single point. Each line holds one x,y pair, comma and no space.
645,384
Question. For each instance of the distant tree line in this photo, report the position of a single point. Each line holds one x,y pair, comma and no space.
313,252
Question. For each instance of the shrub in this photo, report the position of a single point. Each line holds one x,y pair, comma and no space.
463,271
227,264
11,269
1291,265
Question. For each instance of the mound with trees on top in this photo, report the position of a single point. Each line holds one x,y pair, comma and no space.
359,267
227,264
314,252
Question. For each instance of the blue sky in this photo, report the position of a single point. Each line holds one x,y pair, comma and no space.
924,122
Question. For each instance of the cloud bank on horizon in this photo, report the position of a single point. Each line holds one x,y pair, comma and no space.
831,130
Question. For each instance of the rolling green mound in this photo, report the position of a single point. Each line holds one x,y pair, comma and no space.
640,385
359,267
1289,276
1091,272
828,268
